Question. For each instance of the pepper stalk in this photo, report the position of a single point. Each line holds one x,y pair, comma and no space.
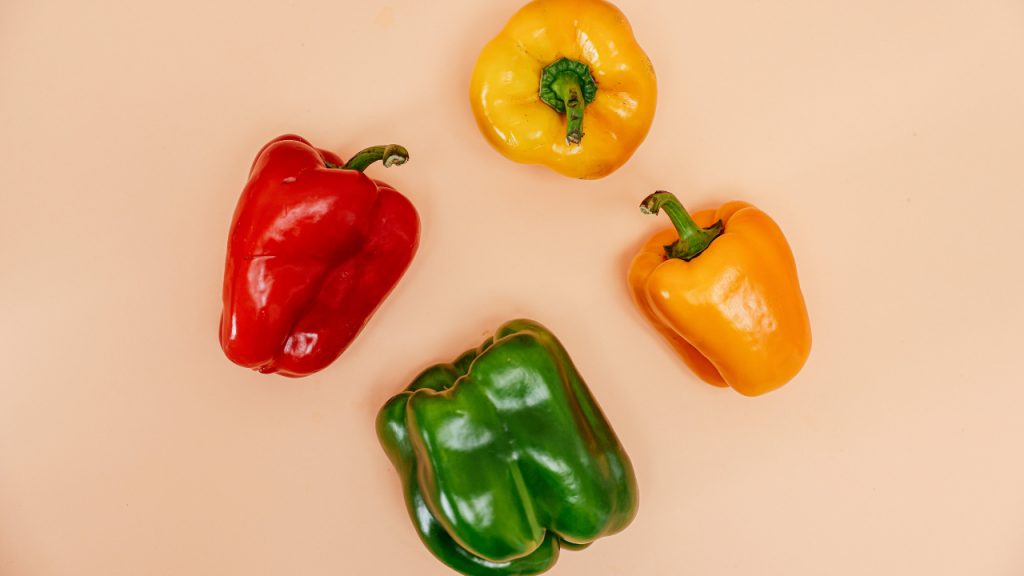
567,86
692,238
392,155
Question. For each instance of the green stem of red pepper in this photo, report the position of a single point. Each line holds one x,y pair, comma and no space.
692,238
392,155
567,86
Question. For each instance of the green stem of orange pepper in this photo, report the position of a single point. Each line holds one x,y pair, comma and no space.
692,238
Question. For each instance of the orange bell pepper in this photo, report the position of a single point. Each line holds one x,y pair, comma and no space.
722,288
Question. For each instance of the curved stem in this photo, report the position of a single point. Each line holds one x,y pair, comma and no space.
692,238
392,155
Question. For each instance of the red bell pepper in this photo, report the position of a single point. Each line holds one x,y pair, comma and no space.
315,247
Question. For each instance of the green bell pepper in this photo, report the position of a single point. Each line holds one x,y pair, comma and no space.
505,457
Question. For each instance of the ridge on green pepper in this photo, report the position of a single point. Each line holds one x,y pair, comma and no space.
505,457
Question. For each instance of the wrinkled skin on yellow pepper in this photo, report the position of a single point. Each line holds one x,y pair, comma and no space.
734,312
585,125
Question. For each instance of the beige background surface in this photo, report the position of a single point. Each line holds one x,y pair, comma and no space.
886,138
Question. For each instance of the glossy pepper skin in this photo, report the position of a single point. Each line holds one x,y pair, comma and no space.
314,249
505,457
734,312
535,104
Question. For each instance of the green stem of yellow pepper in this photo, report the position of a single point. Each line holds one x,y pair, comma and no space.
692,238
567,86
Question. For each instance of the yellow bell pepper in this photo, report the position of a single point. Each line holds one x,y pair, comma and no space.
565,85
722,288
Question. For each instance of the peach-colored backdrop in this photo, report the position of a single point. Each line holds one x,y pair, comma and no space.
886,138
